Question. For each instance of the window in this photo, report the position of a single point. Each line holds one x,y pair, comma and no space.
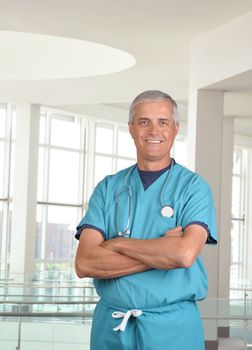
114,149
60,189
7,136
179,150
241,215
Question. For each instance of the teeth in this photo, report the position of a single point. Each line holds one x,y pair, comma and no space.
153,141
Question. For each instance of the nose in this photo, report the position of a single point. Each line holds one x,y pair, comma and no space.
154,128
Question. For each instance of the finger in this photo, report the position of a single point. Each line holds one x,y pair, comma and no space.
175,231
175,234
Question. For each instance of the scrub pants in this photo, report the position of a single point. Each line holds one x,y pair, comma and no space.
172,327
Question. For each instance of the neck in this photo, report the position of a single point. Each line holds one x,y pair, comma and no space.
153,165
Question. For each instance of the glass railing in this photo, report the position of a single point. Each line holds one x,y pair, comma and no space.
26,325
53,312
46,287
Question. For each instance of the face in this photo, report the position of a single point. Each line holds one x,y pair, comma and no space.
153,130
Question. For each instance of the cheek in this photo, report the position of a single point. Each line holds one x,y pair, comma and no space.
171,136
136,135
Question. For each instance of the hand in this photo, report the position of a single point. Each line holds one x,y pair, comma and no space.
175,232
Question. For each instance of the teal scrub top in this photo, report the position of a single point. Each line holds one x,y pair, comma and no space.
191,199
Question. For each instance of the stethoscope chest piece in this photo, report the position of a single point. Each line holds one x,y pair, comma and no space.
167,211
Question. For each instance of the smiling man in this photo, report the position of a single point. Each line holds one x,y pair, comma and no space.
153,129
141,239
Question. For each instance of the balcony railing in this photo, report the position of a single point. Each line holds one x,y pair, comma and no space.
47,313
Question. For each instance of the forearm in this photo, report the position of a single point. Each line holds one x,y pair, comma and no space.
177,249
159,253
106,264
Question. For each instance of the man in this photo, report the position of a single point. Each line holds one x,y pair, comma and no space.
141,239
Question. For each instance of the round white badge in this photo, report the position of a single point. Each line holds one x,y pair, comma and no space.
167,211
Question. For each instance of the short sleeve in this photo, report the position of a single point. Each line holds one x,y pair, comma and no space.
94,217
199,208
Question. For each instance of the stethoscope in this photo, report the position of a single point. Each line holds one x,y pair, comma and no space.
166,210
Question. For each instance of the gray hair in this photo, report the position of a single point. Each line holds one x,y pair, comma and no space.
153,96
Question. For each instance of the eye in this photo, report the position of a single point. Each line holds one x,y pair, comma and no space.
164,122
143,122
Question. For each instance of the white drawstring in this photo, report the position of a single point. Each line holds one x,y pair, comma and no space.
126,316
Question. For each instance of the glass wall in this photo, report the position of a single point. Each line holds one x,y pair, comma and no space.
114,149
241,218
74,154
7,150
60,189
179,151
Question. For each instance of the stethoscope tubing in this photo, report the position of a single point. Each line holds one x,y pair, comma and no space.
126,231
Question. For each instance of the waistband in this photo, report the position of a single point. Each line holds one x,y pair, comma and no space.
161,308
126,314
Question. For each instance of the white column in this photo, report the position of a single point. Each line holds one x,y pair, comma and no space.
23,237
206,141
210,154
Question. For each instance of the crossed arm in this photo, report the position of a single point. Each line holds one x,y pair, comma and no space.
123,256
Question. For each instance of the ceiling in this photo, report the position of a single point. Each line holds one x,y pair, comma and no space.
158,34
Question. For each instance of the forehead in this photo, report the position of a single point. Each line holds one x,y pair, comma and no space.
154,109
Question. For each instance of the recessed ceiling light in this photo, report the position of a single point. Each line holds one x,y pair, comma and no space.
32,56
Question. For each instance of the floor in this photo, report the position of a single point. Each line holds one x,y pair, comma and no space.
232,344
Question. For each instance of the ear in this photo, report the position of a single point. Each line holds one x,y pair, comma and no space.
177,129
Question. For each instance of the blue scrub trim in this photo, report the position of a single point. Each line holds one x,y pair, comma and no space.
80,228
210,239
148,177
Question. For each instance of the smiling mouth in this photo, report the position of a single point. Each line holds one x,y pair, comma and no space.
153,141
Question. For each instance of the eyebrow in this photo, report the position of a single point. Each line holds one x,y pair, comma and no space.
141,118
160,119
167,119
